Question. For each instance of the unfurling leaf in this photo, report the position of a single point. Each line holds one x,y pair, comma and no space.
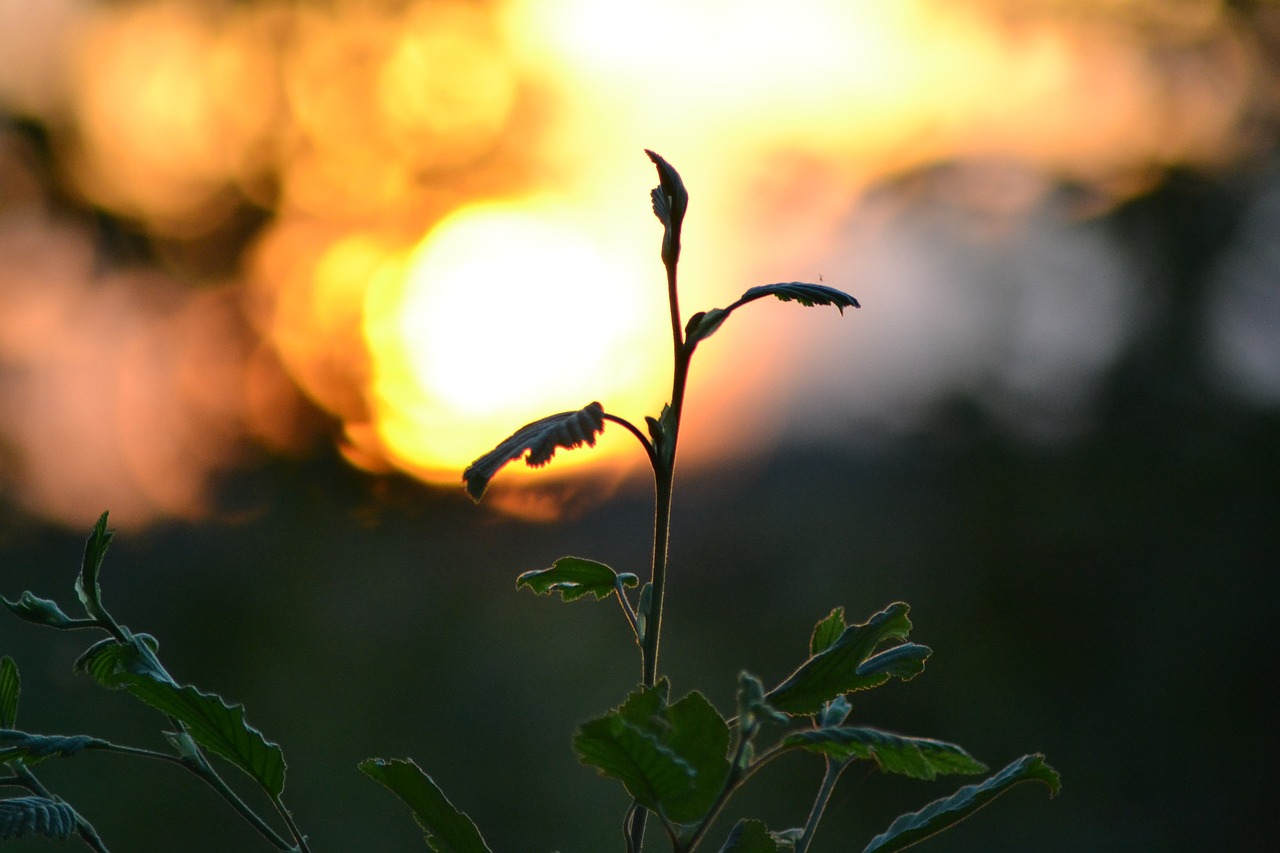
541,439
914,827
919,758
448,830
670,202
574,577
837,669
35,748
95,550
753,708
21,816
42,611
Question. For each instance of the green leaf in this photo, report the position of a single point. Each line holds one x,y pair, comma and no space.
948,811
448,830
95,550
574,577
10,691
834,670
21,816
42,611
31,749
541,439
106,660
211,722
904,661
826,632
919,758
749,836
671,758
670,202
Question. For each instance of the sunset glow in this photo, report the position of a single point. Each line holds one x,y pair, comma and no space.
435,216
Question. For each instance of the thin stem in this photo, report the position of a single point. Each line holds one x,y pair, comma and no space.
84,829
829,779
664,479
730,784
634,430
627,610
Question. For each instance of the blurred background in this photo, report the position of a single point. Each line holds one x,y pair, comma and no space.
273,273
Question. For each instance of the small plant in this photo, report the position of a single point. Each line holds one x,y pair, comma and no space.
680,760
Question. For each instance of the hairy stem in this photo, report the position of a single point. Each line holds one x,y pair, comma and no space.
829,779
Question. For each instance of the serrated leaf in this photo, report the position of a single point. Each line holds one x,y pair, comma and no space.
826,632
704,324
29,748
22,816
541,439
88,589
914,827
834,670
672,758
803,292
217,726
10,692
41,611
574,577
919,758
670,202
448,830
749,836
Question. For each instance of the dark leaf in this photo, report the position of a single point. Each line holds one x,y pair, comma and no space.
541,439
803,292
671,758
914,827
22,816
42,611
574,577
10,691
95,550
919,758
448,830
904,661
211,722
704,324
35,748
749,836
834,670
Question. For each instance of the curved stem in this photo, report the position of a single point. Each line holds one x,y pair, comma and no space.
634,430
84,829
829,779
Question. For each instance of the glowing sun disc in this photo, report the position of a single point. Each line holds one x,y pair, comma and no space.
504,313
